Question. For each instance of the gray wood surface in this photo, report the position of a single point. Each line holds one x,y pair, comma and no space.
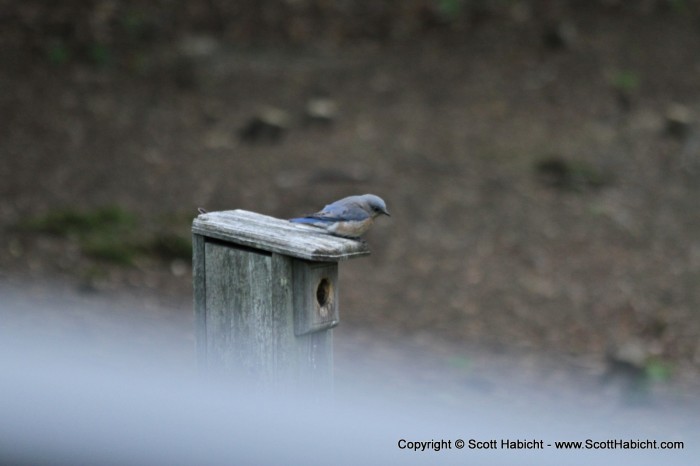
276,235
245,307
200,294
266,299
315,296
239,312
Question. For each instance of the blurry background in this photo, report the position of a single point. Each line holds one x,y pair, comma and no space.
541,160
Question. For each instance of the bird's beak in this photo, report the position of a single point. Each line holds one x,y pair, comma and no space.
386,212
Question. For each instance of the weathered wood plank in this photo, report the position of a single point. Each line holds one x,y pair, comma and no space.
286,357
266,298
316,349
276,235
248,318
239,329
200,293
315,296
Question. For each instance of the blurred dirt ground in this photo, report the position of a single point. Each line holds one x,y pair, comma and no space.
543,189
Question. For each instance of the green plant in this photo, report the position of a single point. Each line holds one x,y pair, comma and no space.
450,9
462,363
626,81
678,6
134,23
657,370
112,234
58,52
72,222
568,174
110,248
103,233
99,54
170,246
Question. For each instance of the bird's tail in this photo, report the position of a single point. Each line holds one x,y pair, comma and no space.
307,220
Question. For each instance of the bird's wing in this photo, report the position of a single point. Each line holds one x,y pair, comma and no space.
343,210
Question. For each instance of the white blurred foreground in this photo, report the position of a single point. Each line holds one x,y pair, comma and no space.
64,403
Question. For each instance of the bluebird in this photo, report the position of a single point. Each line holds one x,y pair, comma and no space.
349,217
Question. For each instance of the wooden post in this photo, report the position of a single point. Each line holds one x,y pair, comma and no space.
266,298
